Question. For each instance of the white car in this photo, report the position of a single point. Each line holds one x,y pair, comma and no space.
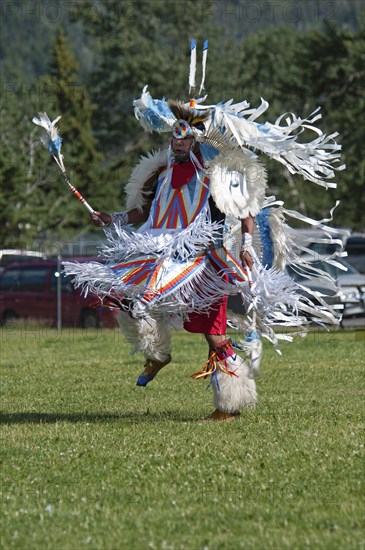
353,244
350,283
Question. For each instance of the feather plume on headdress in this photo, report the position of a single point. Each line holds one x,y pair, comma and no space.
192,70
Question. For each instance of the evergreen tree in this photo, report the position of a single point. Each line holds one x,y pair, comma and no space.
34,197
69,98
22,196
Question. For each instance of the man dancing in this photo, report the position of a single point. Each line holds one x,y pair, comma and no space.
208,232
174,197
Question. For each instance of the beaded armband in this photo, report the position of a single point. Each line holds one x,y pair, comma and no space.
120,218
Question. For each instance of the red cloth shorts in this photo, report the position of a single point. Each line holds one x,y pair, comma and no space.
213,323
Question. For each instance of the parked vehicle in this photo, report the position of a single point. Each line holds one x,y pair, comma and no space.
29,291
350,283
353,244
9,256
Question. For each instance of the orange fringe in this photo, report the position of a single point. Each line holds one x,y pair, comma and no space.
214,363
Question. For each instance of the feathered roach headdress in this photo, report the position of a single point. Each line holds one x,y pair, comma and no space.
183,111
194,118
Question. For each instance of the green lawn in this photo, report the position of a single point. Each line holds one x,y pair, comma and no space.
91,461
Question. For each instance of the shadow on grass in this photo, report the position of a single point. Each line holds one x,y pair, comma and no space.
97,417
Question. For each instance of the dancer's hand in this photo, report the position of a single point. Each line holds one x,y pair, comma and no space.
246,259
100,218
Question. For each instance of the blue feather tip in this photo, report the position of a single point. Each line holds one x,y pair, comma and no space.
54,146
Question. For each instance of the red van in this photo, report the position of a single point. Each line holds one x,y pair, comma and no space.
29,291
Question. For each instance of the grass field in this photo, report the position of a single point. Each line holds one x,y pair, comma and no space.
91,461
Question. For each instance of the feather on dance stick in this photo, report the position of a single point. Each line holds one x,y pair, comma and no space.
53,141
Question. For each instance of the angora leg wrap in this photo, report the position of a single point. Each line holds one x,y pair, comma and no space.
233,393
147,335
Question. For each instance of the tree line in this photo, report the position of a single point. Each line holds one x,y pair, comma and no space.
295,71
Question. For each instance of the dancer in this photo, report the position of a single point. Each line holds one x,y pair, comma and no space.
208,231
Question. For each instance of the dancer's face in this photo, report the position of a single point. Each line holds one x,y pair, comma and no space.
181,148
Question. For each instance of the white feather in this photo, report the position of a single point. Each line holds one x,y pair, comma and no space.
204,63
192,70
45,122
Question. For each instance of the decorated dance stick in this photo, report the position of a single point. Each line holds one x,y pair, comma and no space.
250,279
53,141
